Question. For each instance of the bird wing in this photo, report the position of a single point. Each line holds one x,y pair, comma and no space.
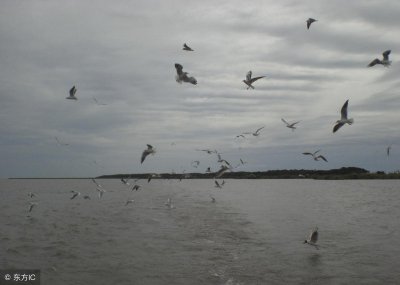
374,62
191,80
386,54
295,123
178,68
248,76
149,147
337,126
314,236
255,79
322,157
259,129
144,154
343,111
216,183
307,153
72,91
283,120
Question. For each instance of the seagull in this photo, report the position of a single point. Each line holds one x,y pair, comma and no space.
149,178
309,22
221,171
343,120
136,187
60,143
169,203
385,61
212,199
223,183
312,240
221,160
101,192
290,125
128,202
209,151
146,152
183,76
95,182
314,155
217,185
72,94
256,133
388,149
98,103
248,81
186,47
242,162
75,194
125,181
31,205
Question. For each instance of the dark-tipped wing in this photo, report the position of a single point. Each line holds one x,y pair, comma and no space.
343,111
283,120
337,126
248,76
149,147
72,91
179,68
144,154
307,153
386,54
255,79
374,62
259,129
322,157
191,80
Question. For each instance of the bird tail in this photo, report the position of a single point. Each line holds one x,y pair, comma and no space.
351,121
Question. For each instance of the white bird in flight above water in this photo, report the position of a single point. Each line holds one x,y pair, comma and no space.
256,133
249,81
221,171
217,185
146,152
72,94
290,125
187,48
101,192
312,240
343,119
95,182
385,61
309,22
315,157
183,76
75,194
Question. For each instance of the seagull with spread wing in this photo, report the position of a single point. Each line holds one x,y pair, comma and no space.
309,22
187,48
343,119
385,61
72,92
146,152
183,76
256,133
290,125
315,156
249,80
312,240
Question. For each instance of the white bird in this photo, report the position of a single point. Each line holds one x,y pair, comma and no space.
125,181
248,81
343,120
146,152
312,240
72,94
309,22
187,48
128,202
136,187
101,192
221,171
314,155
169,203
290,125
31,205
256,133
217,185
183,76
385,61
76,194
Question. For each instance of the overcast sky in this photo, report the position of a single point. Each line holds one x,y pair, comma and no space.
123,53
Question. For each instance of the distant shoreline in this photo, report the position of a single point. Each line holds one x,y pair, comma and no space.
344,173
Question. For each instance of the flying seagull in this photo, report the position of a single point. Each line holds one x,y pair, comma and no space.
183,76
186,47
290,125
95,182
125,181
128,202
314,155
388,149
146,152
31,205
312,240
101,192
31,194
217,185
385,61
256,133
309,22
169,203
209,151
212,199
75,194
86,197
248,81
343,120
136,187
221,171
72,94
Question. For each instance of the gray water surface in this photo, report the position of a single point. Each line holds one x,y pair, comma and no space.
253,234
